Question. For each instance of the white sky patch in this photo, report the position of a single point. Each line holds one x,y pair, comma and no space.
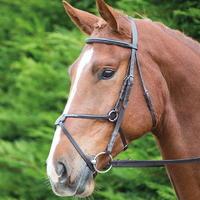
85,59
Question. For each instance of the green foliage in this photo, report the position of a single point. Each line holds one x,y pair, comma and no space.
37,43
181,14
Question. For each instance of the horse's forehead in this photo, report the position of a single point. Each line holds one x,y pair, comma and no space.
101,54
86,57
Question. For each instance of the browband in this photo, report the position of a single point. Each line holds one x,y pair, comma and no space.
111,42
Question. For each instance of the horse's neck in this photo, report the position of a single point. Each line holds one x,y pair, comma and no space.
180,67
175,143
178,135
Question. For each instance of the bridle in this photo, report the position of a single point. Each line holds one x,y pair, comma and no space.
116,114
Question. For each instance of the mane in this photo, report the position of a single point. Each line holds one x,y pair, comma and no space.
188,41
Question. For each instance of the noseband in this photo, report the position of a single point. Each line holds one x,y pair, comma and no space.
117,113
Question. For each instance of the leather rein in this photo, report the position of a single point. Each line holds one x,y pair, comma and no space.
116,114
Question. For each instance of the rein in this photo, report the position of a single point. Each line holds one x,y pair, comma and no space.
117,113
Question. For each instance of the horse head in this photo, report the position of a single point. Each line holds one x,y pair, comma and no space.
97,77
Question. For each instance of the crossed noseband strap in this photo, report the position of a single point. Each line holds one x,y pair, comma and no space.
91,161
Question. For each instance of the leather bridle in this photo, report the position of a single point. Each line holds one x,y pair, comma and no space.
116,114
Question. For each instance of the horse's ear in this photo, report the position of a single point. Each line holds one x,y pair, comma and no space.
108,14
84,20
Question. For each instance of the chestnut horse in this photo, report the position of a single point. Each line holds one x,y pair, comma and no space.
170,64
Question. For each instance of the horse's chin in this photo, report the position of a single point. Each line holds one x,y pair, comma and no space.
88,190
79,192
82,187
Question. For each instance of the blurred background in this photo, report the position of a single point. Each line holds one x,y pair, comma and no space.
37,44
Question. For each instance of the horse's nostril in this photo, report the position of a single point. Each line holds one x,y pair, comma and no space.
61,172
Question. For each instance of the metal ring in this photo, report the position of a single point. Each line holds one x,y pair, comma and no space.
94,162
116,116
60,119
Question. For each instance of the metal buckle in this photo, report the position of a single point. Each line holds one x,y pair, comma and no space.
125,147
130,79
111,118
60,119
94,162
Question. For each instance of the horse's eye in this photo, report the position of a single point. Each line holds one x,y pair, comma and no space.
107,74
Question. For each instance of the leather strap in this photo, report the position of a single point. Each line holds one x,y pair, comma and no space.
76,146
126,89
123,139
63,117
153,163
147,96
111,42
115,132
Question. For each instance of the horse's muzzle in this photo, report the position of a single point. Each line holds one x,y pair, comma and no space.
81,186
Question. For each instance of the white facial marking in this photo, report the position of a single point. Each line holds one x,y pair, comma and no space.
82,63
50,165
85,59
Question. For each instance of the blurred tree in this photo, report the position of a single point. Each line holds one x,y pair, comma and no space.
37,43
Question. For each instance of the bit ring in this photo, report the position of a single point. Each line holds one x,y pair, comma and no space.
94,162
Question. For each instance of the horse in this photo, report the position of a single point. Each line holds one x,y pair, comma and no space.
170,68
